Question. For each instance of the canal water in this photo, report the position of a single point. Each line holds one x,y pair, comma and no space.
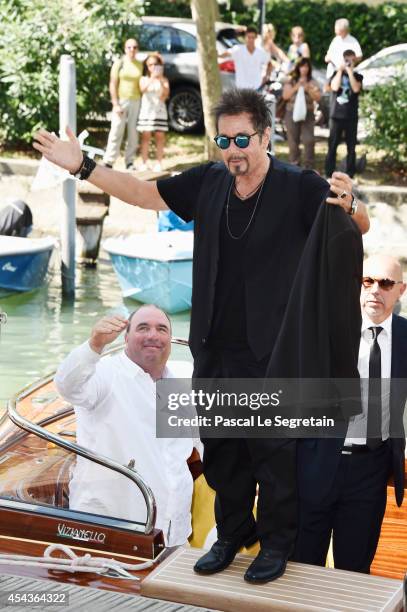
42,328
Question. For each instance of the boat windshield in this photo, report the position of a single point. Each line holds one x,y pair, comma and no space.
36,471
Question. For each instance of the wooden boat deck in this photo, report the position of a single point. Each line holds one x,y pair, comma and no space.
303,587
84,599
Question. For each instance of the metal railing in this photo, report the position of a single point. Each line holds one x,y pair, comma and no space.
127,471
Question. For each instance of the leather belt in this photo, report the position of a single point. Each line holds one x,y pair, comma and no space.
356,449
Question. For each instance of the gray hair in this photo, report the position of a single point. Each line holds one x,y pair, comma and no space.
343,24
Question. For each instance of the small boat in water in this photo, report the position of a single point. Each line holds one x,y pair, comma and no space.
24,262
154,268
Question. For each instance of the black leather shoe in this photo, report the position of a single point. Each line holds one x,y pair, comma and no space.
267,566
221,555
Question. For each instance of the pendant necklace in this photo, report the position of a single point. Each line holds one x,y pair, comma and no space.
251,216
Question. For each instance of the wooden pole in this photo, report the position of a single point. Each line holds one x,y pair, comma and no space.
67,117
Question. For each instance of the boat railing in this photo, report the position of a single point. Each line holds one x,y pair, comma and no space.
41,432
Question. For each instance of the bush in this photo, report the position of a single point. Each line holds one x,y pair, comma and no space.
385,111
33,36
374,26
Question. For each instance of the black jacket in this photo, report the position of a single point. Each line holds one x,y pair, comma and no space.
277,239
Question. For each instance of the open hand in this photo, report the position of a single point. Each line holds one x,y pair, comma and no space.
64,153
105,331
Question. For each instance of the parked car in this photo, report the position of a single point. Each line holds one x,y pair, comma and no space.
176,40
384,65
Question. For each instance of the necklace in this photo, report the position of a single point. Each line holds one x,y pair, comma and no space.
242,197
251,216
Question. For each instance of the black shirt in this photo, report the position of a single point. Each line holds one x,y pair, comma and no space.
180,193
345,102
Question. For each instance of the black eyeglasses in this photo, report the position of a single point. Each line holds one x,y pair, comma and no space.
384,283
241,140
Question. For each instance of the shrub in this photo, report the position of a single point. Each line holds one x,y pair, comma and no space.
385,111
33,36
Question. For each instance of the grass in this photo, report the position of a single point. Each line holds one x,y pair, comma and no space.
185,150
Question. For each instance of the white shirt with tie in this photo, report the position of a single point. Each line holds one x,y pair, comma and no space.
357,428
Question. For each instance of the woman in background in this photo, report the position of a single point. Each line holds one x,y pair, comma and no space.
301,131
153,115
298,48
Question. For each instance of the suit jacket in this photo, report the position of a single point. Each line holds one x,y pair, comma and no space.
318,460
320,334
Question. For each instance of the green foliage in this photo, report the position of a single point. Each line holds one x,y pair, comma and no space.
375,27
385,110
33,36
168,8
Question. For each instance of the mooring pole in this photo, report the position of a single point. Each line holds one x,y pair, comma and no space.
67,117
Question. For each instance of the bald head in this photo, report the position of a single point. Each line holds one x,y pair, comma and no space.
378,302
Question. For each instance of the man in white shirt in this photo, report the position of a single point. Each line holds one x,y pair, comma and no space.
342,41
114,400
250,62
348,499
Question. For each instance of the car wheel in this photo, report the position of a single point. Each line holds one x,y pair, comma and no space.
185,112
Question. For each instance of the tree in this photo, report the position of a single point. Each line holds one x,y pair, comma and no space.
203,14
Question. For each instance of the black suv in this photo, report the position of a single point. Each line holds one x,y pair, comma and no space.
176,40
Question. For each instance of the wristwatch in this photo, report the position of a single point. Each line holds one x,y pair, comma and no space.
353,206
85,169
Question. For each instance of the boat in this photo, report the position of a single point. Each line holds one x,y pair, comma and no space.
154,268
53,549
24,262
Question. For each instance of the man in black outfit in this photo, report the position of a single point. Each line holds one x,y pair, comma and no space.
346,85
343,483
252,217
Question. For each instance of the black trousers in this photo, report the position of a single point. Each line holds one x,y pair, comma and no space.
234,467
353,512
349,128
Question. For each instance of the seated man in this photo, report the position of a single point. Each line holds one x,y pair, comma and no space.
114,400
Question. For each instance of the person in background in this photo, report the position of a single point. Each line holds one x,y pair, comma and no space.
252,64
268,36
153,117
301,131
342,41
343,482
346,85
124,87
298,48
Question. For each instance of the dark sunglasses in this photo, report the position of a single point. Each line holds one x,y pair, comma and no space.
241,140
384,283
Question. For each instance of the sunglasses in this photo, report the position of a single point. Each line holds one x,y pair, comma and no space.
241,140
132,47
384,283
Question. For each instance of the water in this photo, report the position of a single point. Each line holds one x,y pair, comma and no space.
42,328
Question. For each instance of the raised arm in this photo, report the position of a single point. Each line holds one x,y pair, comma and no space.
77,378
68,155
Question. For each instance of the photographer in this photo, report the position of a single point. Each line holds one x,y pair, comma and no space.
346,85
153,116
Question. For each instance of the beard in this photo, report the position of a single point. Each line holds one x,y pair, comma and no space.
239,167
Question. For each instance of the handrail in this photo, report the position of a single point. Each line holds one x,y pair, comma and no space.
128,472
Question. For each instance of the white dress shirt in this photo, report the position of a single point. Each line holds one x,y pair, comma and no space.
115,406
336,49
357,428
249,66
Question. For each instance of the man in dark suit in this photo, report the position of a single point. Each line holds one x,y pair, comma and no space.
343,483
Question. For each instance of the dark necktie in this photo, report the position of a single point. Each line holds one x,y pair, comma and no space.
374,406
